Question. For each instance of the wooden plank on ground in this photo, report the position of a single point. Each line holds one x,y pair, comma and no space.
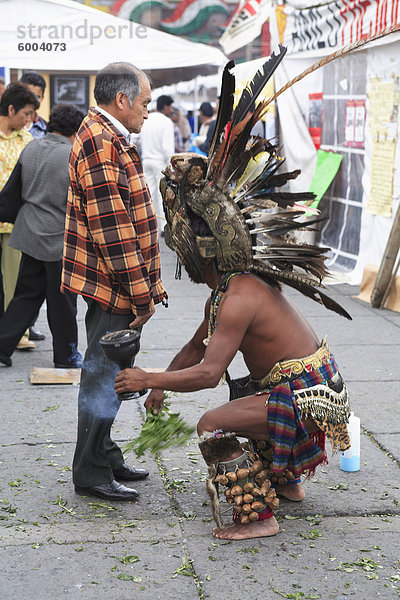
40,375
43,376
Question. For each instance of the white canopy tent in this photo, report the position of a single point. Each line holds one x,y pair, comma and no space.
62,35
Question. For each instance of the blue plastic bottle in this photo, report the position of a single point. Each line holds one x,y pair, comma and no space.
350,459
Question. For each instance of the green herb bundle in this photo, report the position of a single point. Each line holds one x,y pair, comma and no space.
159,432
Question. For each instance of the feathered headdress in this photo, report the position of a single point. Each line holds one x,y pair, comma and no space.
251,225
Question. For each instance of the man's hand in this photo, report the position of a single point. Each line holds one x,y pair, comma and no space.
155,401
142,319
130,380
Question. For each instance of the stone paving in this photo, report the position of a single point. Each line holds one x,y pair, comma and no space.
342,542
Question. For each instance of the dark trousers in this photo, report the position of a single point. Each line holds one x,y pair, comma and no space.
96,454
38,281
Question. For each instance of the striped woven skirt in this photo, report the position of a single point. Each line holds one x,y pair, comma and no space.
301,389
297,390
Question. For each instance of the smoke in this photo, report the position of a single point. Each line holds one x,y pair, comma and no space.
97,396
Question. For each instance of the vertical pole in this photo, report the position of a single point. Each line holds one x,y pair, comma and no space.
383,278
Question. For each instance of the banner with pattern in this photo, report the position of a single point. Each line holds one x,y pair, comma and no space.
336,24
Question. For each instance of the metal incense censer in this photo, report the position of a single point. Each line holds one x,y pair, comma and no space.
121,347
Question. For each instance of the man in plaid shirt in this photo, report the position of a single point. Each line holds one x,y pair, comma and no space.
111,258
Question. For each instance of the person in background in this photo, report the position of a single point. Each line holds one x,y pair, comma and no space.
2,86
37,85
111,258
175,116
17,107
37,129
157,142
190,119
204,147
186,132
206,114
41,177
258,129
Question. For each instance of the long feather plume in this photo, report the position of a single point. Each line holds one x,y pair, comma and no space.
257,84
306,287
282,199
225,159
225,105
234,151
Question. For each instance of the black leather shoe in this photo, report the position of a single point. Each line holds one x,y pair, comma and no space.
35,335
109,491
6,360
126,473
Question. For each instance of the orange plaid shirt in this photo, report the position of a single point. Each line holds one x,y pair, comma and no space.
111,251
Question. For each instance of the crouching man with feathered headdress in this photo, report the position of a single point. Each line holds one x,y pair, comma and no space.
293,396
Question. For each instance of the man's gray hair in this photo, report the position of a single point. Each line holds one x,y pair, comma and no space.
117,77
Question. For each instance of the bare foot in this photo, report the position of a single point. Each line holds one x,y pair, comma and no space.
294,492
236,531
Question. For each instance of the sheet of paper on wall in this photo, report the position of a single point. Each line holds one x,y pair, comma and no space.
384,100
380,200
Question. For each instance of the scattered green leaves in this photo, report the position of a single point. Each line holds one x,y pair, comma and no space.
63,504
125,577
128,524
248,549
16,483
294,595
9,508
100,506
338,486
367,564
314,520
311,535
49,408
127,560
185,569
